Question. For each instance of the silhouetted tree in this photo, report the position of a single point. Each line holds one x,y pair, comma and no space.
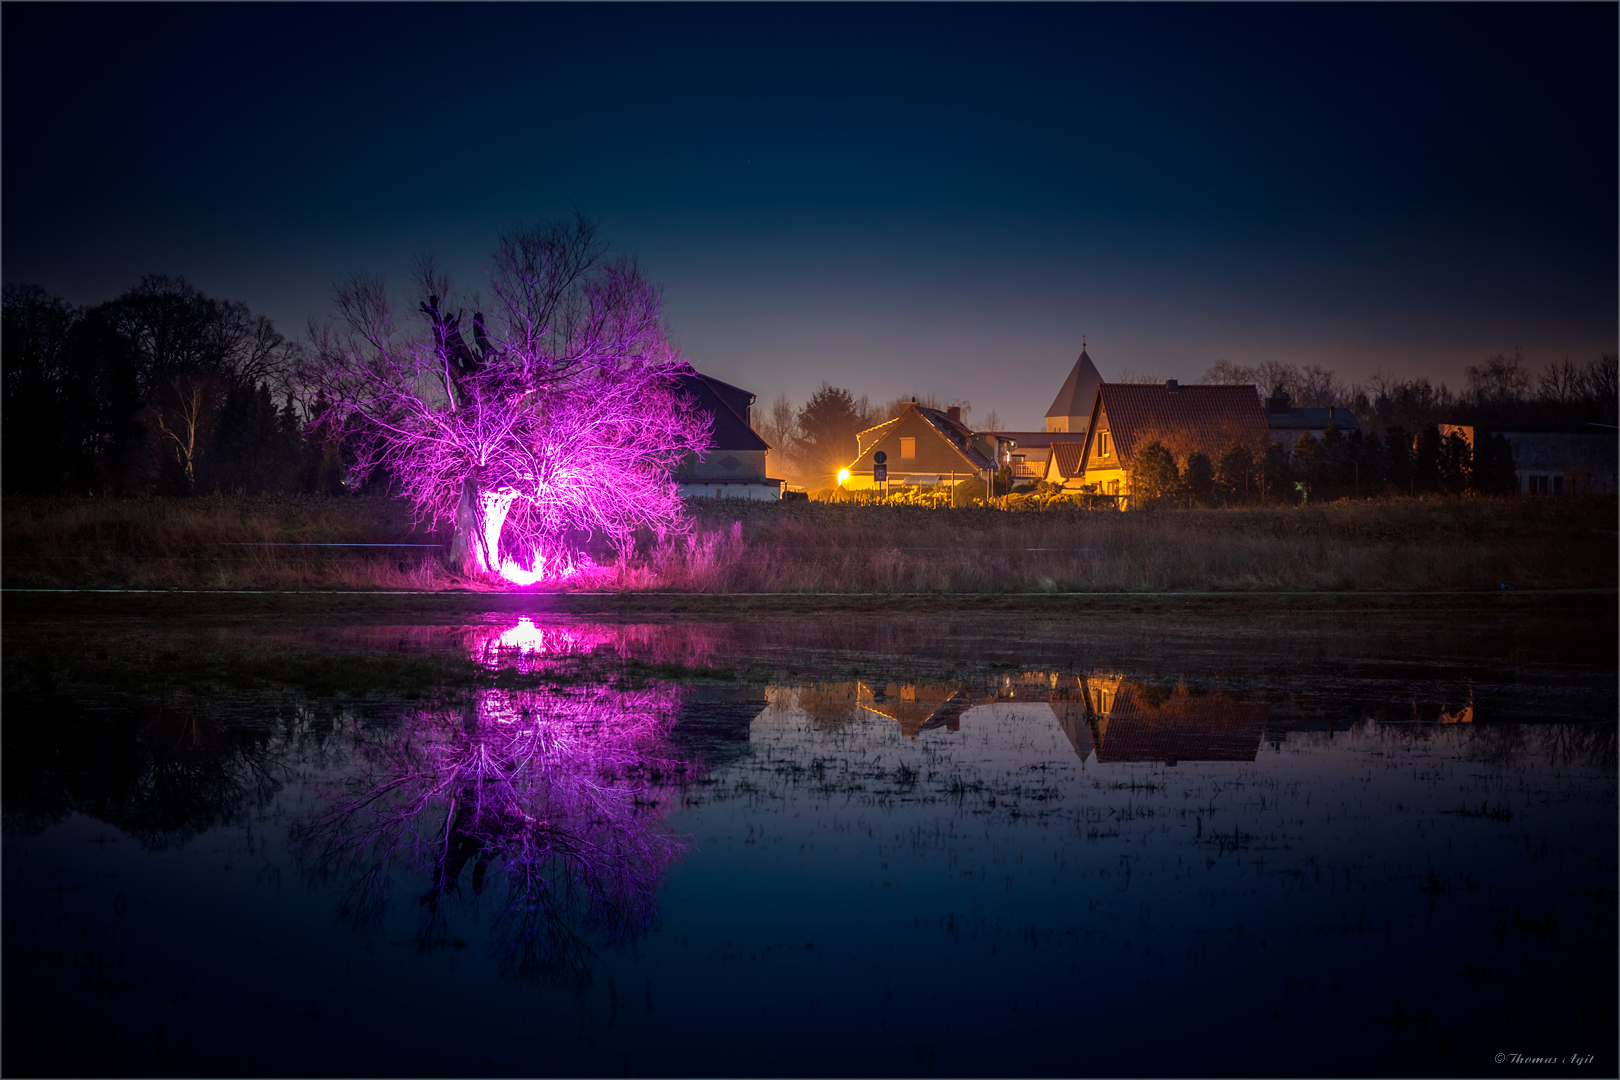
1153,474
1426,451
1398,461
828,425
1235,473
1456,462
1493,470
1198,479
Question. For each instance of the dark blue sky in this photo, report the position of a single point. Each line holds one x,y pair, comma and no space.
893,198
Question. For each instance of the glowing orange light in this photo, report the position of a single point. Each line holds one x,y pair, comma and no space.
843,475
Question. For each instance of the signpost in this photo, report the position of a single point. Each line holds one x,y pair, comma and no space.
880,468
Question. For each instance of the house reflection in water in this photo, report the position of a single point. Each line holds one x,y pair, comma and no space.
1137,722
916,707
1104,718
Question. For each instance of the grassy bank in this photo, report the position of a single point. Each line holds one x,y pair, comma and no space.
1404,545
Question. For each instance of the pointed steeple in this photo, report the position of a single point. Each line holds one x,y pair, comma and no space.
1075,399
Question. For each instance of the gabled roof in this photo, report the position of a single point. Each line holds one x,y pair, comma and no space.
720,400
1184,418
1068,458
956,434
1078,389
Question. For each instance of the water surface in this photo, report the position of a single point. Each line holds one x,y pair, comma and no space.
1314,844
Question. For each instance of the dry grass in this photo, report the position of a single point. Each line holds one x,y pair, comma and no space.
206,543
1401,545
1386,545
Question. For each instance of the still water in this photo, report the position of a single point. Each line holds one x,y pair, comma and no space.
1375,843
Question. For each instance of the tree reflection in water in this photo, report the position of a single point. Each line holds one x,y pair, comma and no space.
555,800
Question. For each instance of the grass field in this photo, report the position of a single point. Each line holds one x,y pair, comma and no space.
1393,545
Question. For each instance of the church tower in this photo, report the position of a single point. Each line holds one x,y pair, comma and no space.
1071,409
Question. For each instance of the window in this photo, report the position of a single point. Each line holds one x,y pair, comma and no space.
1113,487
908,448
1538,485
1558,485
1103,701
1102,444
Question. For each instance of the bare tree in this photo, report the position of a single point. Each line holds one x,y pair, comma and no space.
561,416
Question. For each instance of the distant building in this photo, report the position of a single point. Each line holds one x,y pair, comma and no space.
1128,416
1030,452
926,448
1552,460
1287,423
1071,409
737,465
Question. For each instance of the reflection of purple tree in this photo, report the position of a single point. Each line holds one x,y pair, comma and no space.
554,800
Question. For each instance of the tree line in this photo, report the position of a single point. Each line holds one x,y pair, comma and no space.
1338,465
162,390
1501,390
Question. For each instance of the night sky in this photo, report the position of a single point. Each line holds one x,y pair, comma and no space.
894,199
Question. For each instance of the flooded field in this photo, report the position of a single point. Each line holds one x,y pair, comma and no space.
1374,842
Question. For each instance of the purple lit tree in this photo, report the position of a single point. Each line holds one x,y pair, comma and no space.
562,417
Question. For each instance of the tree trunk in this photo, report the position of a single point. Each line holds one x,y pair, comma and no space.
467,547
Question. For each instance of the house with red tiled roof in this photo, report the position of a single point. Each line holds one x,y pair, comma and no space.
925,447
1128,416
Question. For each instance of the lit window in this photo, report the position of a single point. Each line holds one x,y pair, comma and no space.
908,448
1102,444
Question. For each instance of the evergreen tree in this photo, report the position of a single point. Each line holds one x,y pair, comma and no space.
1235,473
1456,462
1493,472
1153,474
1426,460
1198,479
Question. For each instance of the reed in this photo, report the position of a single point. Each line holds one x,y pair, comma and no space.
810,547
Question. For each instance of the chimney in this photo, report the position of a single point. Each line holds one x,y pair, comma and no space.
954,414
1171,385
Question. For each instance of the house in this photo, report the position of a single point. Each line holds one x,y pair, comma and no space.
1554,460
1066,463
1071,409
926,448
737,465
1030,452
1185,419
1287,423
